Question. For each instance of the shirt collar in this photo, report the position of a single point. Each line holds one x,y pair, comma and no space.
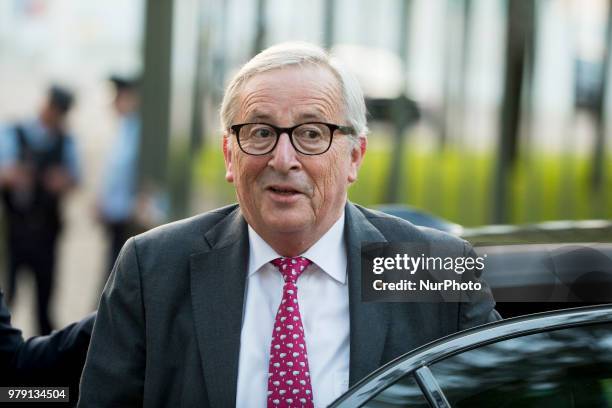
328,253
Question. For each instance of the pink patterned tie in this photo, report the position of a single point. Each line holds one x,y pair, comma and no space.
289,376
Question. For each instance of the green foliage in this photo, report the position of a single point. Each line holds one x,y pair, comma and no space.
210,175
456,185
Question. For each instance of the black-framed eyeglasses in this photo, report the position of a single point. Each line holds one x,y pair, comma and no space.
310,138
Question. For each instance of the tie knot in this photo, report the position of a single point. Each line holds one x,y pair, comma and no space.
291,268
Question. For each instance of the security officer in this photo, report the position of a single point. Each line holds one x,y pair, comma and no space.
38,167
117,199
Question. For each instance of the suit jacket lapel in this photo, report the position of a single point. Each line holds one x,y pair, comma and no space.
369,321
217,293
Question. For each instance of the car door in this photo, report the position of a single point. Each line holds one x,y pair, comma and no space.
569,367
561,359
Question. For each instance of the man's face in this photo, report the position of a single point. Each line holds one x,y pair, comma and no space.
126,101
51,116
286,192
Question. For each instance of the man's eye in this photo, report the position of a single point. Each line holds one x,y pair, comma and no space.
311,134
262,133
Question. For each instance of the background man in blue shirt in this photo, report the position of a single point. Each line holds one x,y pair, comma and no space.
38,167
117,198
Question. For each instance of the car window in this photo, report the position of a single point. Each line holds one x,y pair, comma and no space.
562,368
404,393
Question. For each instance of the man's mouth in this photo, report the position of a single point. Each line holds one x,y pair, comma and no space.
283,190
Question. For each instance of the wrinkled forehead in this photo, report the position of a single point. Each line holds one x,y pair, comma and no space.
290,94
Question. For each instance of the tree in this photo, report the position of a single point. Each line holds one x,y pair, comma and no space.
519,27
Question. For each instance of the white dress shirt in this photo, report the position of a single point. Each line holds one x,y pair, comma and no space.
324,308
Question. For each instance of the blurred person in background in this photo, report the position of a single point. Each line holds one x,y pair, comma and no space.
38,167
116,201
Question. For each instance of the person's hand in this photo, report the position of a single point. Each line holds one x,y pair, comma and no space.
57,180
18,177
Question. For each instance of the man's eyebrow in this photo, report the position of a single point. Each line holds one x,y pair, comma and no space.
258,117
311,116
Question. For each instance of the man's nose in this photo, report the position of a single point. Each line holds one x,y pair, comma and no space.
284,155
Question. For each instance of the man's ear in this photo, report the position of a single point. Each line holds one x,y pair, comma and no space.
227,156
357,154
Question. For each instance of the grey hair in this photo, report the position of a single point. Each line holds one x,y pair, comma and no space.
298,53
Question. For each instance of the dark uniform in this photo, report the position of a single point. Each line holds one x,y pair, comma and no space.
38,165
34,222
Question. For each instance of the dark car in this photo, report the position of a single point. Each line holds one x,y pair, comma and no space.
530,278
552,359
537,267
543,232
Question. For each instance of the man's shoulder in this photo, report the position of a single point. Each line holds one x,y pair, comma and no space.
396,229
187,234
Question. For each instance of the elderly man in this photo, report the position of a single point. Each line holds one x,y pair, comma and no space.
259,304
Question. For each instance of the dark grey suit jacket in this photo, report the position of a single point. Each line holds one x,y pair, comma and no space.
169,321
